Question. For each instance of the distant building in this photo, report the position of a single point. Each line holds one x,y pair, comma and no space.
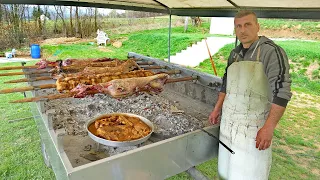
222,25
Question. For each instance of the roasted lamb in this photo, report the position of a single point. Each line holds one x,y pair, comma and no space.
124,87
127,66
68,83
75,62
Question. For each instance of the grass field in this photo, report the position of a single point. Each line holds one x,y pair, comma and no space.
300,25
148,42
296,146
20,155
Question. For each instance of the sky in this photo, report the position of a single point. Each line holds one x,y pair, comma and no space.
102,11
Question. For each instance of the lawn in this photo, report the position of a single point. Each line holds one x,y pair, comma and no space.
20,153
300,25
296,146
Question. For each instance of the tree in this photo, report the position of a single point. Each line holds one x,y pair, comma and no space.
60,13
95,19
78,24
1,14
71,23
113,14
196,21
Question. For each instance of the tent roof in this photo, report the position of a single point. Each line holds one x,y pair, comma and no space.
296,9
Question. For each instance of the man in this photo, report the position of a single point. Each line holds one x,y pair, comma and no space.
253,98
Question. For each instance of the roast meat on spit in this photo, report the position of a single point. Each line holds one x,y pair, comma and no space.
124,87
127,66
70,82
75,62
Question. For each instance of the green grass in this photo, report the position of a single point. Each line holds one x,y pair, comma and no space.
302,51
149,42
306,26
20,142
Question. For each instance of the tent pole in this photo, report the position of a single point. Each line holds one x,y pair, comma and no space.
169,38
236,42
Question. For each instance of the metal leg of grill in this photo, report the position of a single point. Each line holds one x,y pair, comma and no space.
45,155
195,174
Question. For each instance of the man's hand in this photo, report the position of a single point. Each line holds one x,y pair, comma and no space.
264,137
215,114
214,117
265,134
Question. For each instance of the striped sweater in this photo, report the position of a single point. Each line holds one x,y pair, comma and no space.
276,67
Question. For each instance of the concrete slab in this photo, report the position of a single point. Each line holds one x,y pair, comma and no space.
198,52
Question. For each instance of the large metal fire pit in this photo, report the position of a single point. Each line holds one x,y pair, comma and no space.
158,158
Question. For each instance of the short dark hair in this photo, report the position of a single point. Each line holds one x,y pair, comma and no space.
243,13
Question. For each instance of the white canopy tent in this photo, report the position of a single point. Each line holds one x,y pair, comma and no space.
292,9
295,9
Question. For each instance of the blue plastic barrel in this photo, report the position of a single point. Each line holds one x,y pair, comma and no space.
35,51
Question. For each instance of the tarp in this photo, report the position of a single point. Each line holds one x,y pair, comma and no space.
296,9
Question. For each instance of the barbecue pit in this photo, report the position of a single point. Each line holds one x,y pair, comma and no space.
176,145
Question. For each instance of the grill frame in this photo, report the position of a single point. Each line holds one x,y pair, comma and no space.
158,160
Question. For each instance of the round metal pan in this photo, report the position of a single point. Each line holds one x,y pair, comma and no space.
119,143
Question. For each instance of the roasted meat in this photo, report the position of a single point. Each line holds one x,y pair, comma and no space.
75,62
127,66
43,63
121,128
68,83
57,70
124,87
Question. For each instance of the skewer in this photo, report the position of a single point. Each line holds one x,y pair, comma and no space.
30,79
49,77
53,65
47,71
188,78
65,68
145,63
28,88
48,86
23,73
23,67
71,94
154,67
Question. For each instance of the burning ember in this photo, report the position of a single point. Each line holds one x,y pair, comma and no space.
72,114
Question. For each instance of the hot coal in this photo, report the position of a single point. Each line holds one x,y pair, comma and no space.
72,114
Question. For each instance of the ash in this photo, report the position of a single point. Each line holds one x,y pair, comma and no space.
72,114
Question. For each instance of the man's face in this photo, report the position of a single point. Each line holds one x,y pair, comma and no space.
246,29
